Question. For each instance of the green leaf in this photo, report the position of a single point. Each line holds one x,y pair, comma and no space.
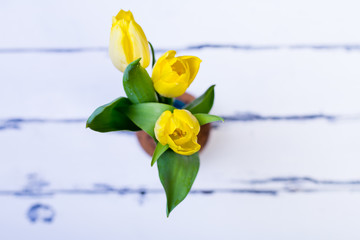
160,149
110,117
138,85
145,115
177,174
207,118
204,103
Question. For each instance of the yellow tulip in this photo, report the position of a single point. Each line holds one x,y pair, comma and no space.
127,42
173,75
179,130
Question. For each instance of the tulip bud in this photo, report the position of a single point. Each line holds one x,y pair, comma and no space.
179,130
127,42
173,75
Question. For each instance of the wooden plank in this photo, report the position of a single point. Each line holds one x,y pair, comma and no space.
244,151
287,83
87,23
221,216
73,85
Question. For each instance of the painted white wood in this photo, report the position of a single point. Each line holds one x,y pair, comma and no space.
320,216
277,82
42,23
263,179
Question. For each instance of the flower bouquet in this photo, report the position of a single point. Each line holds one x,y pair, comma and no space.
150,106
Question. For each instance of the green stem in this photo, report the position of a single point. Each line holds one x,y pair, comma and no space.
153,55
169,101
165,100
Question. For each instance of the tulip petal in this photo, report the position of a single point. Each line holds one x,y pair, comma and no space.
124,15
169,54
191,147
193,64
161,131
188,118
161,64
186,149
139,40
171,125
185,138
119,46
169,88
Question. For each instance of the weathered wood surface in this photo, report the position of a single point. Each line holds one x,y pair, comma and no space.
284,165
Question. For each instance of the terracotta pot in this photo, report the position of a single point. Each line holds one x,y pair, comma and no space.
148,143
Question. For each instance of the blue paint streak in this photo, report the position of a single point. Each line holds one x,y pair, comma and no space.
142,192
245,47
16,123
302,180
36,187
41,212
235,191
53,50
251,117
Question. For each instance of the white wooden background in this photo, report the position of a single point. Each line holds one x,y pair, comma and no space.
285,164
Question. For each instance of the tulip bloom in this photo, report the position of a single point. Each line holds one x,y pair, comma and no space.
173,75
179,130
127,42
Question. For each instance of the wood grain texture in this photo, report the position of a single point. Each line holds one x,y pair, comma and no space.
284,165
